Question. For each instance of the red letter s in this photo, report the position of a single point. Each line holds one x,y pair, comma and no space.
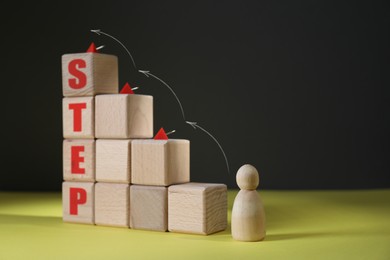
81,79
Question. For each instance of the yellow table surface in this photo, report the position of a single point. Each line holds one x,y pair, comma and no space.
300,225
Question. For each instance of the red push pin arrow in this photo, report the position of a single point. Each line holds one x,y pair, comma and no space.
161,135
126,89
92,48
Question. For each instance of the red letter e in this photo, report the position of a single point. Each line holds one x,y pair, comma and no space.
76,159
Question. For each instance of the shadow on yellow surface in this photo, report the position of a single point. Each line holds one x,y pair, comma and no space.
300,224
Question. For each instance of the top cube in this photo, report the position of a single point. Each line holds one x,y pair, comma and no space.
89,74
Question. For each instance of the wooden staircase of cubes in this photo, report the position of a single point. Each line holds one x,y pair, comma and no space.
115,173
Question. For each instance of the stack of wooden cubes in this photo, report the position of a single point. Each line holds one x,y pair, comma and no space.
115,173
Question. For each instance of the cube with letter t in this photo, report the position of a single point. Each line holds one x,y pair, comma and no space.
78,117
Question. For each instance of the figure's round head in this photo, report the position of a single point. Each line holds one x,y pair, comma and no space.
247,177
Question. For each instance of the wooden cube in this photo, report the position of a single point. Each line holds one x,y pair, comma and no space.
198,208
112,204
78,117
124,116
89,74
78,202
113,160
149,207
79,160
160,162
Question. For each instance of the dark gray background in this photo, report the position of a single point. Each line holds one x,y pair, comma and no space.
299,89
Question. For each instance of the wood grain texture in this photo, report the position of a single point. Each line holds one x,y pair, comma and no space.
248,217
112,204
149,207
160,162
101,73
197,208
83,159
113,160
87,117
85,210
124,116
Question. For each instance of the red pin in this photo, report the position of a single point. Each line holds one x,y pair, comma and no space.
92,48
161,135
126,89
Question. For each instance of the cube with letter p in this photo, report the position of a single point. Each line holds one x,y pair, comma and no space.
78,202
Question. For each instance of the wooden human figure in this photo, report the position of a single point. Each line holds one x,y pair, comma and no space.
248,217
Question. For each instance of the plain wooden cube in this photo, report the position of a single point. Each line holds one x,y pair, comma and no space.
197,208
79,160
124,116
160,162
78,117
78,202
112,204
149,207
89,74
113,160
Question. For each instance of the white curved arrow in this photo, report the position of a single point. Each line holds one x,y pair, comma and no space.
99,32
147,74
195,126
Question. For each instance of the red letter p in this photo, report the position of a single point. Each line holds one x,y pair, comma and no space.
77,196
